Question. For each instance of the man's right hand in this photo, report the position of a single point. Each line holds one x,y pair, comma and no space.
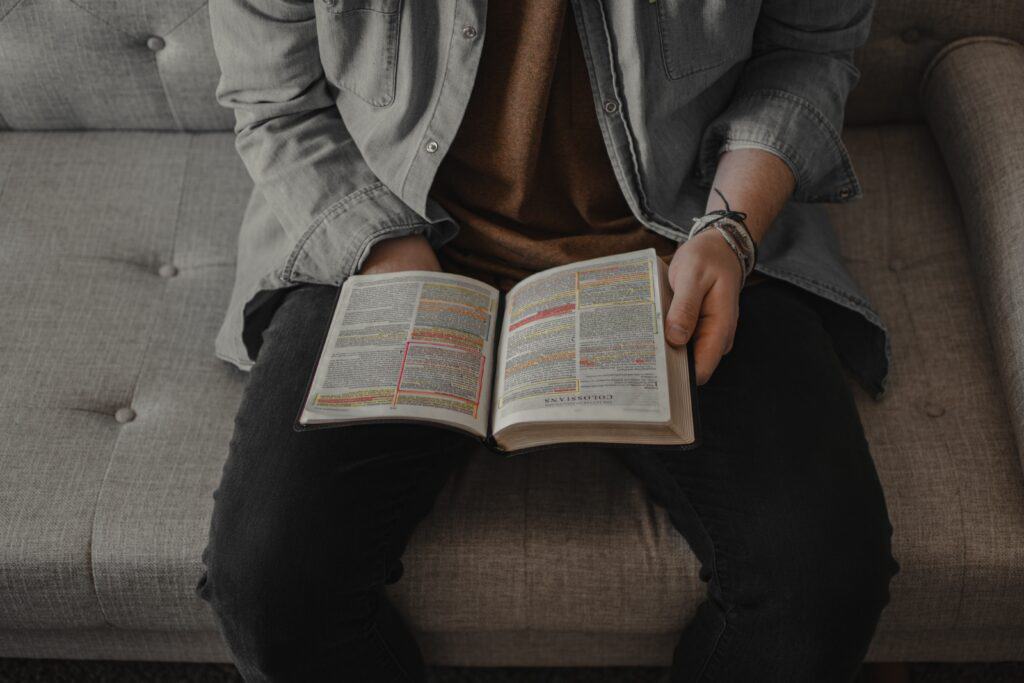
412,252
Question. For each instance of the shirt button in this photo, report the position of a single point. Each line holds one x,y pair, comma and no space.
168,270
155,43
469,32
611,106
845,192
124,415
431,146
934,409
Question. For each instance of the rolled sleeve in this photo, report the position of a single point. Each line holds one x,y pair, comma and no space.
294,143
791,96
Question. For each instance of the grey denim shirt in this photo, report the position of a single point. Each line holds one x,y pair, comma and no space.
345,108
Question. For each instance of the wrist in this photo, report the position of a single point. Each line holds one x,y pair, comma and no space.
711,249
731,225
409,252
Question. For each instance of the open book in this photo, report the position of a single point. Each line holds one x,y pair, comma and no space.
574,354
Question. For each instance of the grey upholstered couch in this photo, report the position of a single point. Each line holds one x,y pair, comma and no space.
120,196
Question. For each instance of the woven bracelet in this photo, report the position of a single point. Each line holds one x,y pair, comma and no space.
731,225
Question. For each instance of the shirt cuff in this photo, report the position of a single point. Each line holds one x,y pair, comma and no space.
338,242
790,127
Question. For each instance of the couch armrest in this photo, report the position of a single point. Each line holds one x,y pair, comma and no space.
973,96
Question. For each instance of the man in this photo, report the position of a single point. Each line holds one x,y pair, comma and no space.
500,138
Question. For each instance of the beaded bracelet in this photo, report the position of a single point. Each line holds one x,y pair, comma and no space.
730,224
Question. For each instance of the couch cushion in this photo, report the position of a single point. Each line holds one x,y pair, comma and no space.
905,35
95,64
104,521
942,441
117,260
108,64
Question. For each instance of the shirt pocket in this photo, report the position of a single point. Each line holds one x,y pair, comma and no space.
359,42
698,36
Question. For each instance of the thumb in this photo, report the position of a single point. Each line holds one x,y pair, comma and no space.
683,312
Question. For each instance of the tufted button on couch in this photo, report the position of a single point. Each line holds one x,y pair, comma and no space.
120,198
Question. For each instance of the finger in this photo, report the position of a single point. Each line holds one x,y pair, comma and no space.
684,311
728,347
732,334
724,296
715,329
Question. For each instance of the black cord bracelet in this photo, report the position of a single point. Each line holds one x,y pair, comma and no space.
739,218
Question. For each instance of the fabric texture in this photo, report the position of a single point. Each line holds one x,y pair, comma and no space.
109,77
344,114
527,177
108,64
102,521
87,221
784,510
905,35
975,93
491,648
111,407
297,582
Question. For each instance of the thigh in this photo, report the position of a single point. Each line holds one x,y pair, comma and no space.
340,502
783,485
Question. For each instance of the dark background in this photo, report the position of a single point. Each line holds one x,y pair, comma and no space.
51,671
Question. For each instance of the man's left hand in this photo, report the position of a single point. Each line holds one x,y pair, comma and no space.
705,275
706,278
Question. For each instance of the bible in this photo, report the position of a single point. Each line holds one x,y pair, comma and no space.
571,355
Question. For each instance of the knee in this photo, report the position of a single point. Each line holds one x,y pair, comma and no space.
856,566
273,603
828,600
847,592
267,568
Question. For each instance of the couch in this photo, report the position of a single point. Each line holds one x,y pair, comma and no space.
120,198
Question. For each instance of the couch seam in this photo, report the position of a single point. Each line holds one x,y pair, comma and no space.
135,382
6,174
167,97
159,73
187,17
167,94
101,19
11,9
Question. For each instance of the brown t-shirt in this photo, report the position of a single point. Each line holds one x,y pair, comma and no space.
528,177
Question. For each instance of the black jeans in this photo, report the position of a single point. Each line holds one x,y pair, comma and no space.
781,504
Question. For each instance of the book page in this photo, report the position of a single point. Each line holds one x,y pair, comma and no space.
584,342
414,344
